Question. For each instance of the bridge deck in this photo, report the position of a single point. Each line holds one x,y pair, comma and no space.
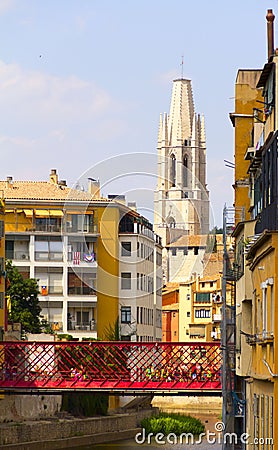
118,367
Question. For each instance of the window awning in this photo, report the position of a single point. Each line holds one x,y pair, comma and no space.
56,213
42,213
28,212
9,211
85,211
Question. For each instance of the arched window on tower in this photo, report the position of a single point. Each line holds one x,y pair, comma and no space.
185,171
173,170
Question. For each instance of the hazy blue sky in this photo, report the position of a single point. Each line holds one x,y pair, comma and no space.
85,80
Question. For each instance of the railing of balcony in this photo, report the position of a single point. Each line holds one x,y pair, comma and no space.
48,256
81,290
82,326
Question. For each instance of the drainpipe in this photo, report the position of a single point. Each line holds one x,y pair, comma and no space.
269,369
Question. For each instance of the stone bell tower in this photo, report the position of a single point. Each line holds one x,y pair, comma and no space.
181,201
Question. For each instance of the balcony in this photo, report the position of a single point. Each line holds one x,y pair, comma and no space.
48,256
81,290
51,290
18,256
82,326
266,337
217,317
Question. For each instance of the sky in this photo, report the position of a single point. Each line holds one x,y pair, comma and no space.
82,84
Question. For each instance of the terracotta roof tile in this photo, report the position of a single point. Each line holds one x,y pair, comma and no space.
41,190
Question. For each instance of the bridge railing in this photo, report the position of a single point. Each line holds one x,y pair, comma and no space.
110,366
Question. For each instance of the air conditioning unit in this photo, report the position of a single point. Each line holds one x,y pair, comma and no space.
23,256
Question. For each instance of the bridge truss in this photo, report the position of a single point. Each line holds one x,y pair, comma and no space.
114,367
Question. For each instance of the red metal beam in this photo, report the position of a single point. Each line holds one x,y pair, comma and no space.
110,366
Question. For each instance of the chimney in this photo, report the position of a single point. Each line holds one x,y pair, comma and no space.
53,176
63,182
9,182
94,188
270,33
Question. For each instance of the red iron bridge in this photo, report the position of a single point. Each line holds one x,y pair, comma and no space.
123,368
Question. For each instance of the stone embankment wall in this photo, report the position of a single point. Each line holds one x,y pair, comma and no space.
28,407
64,433
194,405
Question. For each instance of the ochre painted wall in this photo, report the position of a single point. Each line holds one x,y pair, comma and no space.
108,269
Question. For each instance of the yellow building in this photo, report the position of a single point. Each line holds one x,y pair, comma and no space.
256,245
3,311
248,101
96,260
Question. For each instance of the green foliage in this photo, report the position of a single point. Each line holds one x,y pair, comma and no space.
85,405
172,423
25,307
112,332
67,337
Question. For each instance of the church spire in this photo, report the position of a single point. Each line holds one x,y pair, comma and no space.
159,140
203,132
165,131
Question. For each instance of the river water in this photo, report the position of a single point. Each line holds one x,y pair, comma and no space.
131,445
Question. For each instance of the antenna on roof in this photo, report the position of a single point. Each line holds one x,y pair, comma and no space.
182,67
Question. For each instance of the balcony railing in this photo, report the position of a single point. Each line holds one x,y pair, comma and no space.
81,290
48,256
51,290
82,326
217,317
260,338
18,256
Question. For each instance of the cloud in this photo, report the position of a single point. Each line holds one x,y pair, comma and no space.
165,78
6,6
36,102
49,120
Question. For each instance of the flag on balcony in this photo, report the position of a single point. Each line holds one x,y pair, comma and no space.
89,257
76,258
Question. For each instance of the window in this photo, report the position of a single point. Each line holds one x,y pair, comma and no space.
188,314
126,248
202,297
126,314
196,250
202,313
81,283
82,317
174,251
185,251
126,280
173,170
50,280
211,283
47,249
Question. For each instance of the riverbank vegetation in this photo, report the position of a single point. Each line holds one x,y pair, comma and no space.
173,423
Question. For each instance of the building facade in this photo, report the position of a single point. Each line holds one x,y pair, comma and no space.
256,244
71,242
181,202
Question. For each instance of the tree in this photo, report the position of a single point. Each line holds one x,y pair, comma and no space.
25,307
